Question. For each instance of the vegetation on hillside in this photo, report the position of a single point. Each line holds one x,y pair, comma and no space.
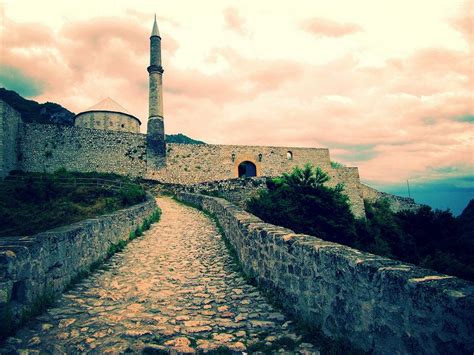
181,138
429,238
37,202
32,111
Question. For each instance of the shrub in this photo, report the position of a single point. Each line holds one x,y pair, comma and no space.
132,194
431,239
300,201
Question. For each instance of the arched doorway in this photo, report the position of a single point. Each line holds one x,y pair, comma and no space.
247,169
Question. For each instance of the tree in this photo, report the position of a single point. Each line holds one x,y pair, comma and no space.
305,177
300,201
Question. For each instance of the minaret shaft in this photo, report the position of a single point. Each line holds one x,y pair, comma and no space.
155,71
156,145
155,108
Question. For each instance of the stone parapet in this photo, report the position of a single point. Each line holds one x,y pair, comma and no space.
42,265
375,303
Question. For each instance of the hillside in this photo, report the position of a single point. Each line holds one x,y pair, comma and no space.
52,113
181,138
32,111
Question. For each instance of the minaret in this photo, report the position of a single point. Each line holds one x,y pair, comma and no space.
156,145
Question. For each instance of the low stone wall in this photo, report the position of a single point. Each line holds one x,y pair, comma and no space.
237,191
38,266
375,303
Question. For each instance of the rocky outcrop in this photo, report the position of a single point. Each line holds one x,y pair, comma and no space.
376,303
397,203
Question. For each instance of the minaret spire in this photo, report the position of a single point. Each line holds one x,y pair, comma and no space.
155,31
156,146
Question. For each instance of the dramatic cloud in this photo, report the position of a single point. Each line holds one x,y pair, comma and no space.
327,28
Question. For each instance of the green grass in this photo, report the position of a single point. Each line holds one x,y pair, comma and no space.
32,206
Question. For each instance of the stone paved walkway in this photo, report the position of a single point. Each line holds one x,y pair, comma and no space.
173,289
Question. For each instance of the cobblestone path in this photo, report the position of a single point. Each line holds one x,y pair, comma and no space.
173,289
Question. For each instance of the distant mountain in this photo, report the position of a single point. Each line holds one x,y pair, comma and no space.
52,113
31,111
181,138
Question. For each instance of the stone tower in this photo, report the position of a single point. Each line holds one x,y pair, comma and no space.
156,145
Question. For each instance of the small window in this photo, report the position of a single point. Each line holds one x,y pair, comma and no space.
260,156
289,155
122,125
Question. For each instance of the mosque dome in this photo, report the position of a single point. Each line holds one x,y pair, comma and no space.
108,115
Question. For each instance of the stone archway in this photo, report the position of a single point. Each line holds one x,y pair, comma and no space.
247,169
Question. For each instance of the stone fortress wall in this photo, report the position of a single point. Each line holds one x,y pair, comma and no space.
51,147
380,305
114,121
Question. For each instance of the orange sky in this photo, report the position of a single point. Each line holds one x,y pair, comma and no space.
386,85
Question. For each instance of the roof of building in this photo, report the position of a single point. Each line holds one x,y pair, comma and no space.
109,105
155,31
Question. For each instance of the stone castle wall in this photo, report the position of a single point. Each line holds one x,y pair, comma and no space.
47,148
378,304
194,163
45,263
349,177
9,134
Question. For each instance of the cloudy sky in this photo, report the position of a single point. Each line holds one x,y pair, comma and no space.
386,85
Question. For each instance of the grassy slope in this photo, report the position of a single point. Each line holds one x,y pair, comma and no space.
31,206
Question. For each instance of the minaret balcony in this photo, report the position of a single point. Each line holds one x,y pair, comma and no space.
155,68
